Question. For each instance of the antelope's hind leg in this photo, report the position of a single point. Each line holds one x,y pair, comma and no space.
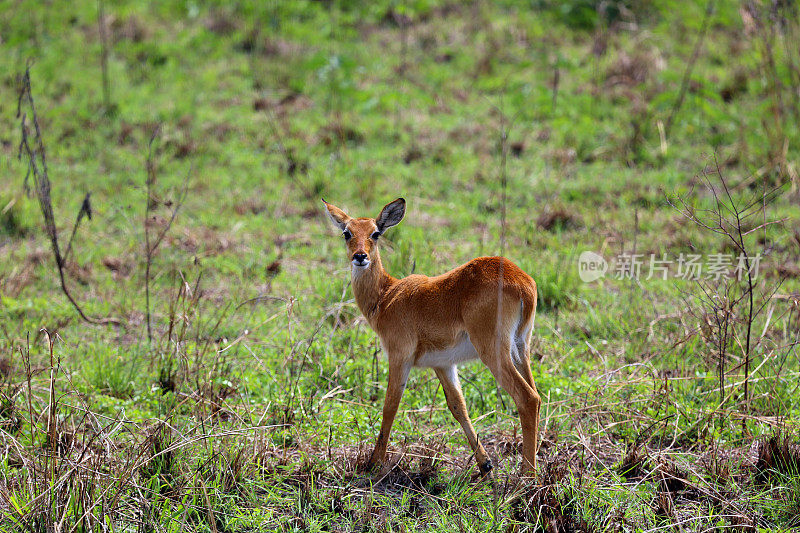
451,386
522,363
496,352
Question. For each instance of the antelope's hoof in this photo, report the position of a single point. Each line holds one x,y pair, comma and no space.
486,467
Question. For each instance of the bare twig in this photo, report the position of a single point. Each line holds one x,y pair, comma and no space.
101,24
84,211
676,106
151,243
33,150
729,217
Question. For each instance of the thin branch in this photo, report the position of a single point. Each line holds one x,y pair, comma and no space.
84,211
151,243
689,67
33,150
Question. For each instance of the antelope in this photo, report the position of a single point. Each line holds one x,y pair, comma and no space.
482,309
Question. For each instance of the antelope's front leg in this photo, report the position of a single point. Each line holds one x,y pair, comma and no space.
398,375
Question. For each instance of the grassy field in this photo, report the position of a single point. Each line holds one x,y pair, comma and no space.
244,392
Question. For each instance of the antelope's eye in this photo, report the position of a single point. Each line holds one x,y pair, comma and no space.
375,235
347,235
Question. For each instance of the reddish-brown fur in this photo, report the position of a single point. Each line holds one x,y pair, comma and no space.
488,303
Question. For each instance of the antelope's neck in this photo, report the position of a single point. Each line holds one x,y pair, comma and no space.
369,286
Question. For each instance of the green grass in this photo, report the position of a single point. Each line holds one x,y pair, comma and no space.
258,400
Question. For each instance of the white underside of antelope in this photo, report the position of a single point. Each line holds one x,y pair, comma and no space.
462,351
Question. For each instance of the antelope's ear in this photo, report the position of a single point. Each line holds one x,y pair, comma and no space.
337,216
391,215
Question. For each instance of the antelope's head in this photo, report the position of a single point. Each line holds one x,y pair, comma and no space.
361,234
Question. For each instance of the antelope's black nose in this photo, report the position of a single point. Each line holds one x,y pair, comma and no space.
360,258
